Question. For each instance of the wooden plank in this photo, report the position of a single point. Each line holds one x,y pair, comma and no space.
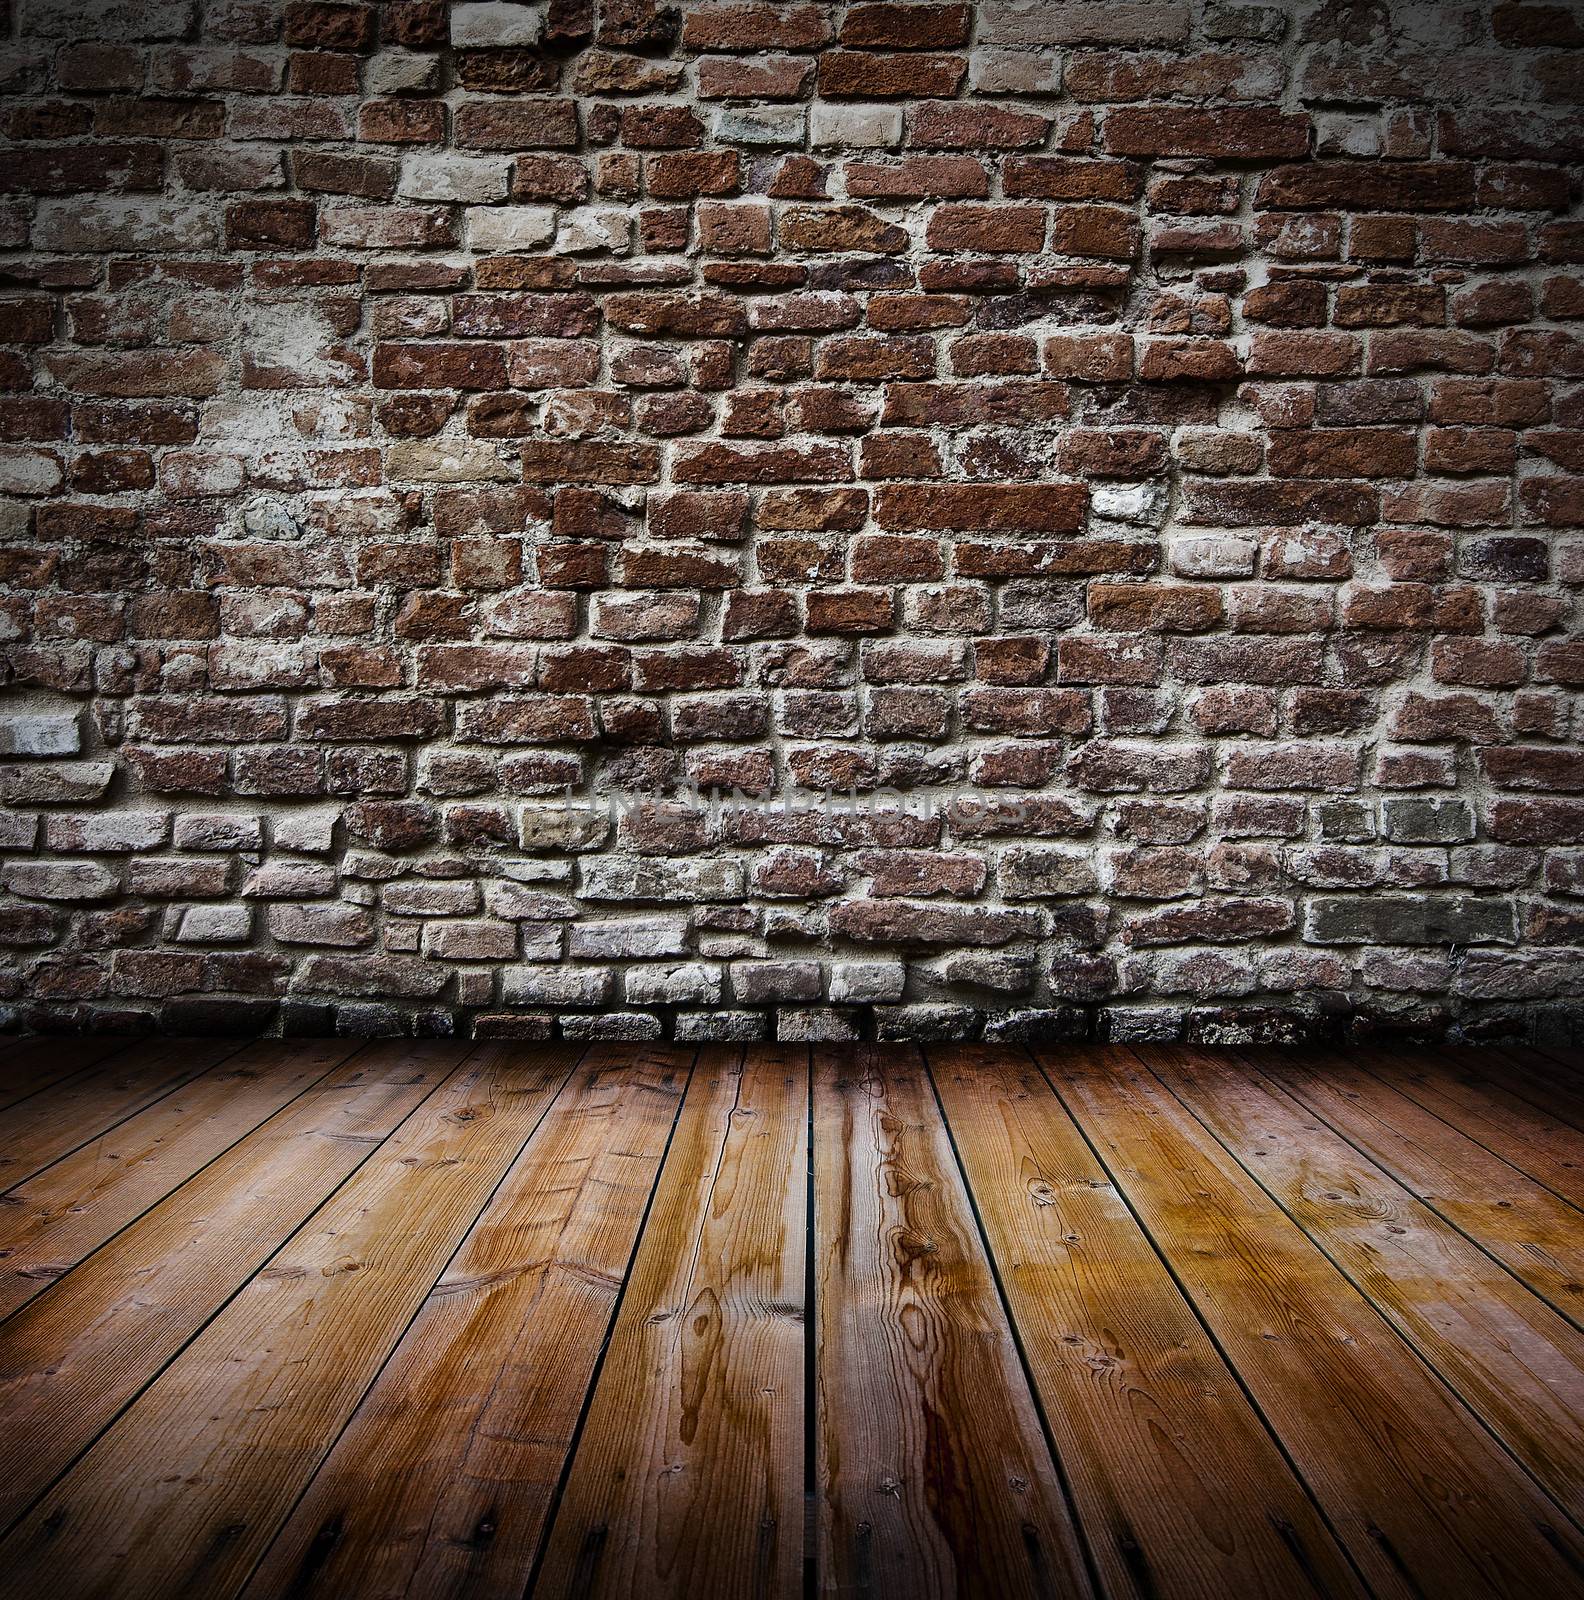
1538,1145
1180,1490
688,1476
1515,1362
1532,1232
1570,1058
34,1064
1539,1080
443,1479
185,1490
934,1473
44,1127
51,1222
1425,1501
72,1358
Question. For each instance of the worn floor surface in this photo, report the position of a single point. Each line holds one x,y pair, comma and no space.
342,1319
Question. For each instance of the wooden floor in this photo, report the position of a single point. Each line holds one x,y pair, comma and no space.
401,1318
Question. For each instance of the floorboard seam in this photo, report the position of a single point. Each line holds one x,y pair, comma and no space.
553,1509
1467,1133
191,1177
423,1299
1091,1564
154,1377
1210,1333
1413,1350
1401,1179
110,1127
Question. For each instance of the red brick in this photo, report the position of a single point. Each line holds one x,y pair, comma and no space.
1016,229
270,225
1343,453
758,78
1104,231
589,461
824,228
936,125
417,24
1071,178
1090,357
135,374
319,25
684,176
520,124
918,178
850,611
401,121
150,117
905,27
861,75
1235,133
754,25
439,366
726,463
734,229
70,169
1282,504
1153,608
1024,508
1366,186
688,316
1188,361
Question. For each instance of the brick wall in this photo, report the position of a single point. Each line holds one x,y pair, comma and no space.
1145,437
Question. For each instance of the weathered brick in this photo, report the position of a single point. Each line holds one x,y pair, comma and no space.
322,25
439,366
373,976
903,922
1410,920
906,26
1227,133
1025,508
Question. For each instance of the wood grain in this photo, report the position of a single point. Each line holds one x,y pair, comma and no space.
1534,1078
1180,1489
54,1219
444,1477
1538,1146
44,1127
1570,1060
688,1478
934,1473
72,1358
30,1065
1515,1362
1534,1233
442,1319
195,1477
1425,1501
